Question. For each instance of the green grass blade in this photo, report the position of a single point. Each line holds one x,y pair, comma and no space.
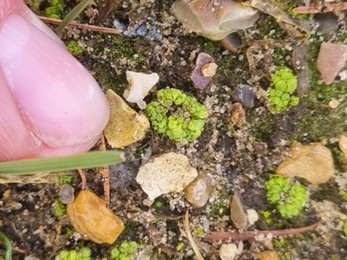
79,161
72,15
8,255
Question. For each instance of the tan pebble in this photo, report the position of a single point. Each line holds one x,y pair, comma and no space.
92,219
198,191
209,69
334,103
343,144
228,251
312,162
125,125
238,114
237,213
268,255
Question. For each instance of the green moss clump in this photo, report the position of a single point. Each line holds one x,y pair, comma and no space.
75,48
55,9
288,196
83,254
59,208
345,228
177,115
280,95
124,251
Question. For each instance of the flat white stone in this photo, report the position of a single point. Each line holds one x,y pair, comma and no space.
170,172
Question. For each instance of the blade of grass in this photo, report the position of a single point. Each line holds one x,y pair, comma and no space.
8,255
72,15
64,163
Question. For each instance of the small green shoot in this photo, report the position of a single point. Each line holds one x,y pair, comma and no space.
72,15
8,254
63,163
59,208
66,179
345,228
55,9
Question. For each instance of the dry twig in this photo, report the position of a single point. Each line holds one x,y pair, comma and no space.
190,237
83,178
321,9
81,26
250,235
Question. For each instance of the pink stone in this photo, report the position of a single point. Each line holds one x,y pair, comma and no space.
331,59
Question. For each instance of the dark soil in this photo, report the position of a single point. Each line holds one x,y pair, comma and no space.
239,158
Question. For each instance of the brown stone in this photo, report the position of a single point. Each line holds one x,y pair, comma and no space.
198,191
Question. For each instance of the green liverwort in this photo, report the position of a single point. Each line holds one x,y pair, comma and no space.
124,251
288,196
284,83
55,9
177,115
83,254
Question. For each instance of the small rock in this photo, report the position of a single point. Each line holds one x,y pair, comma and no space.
237,213
92,219
252,216
343,144
228,251
312,162
232,42
327,22
268,255
198,191
244,94
214,20
125,126
203,71
209,69
169,172
139,86
331,59
238,114
334,103
66,194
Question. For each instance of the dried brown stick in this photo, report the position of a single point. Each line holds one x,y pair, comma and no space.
249,235
17,249
190,237
81,26
83,178
324,9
